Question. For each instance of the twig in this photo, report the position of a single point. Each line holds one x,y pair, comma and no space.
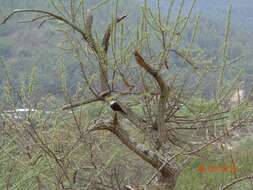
35,19
80,103
183,56
107,34
128,187
50,14
164,92
250,177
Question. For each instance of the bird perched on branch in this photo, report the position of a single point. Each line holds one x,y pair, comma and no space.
116,107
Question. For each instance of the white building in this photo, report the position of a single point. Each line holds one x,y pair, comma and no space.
237,97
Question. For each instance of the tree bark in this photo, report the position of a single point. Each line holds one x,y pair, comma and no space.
168,173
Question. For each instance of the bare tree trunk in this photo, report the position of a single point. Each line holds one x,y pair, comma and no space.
168,172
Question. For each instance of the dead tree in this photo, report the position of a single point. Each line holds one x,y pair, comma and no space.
169,132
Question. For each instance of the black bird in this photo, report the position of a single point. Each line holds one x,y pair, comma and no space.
116,107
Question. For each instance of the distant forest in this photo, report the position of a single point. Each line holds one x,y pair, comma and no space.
24,47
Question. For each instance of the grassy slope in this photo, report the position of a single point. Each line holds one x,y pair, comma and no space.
192,179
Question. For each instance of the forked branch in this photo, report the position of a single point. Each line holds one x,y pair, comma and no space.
141,62
164,93
49,14
154,159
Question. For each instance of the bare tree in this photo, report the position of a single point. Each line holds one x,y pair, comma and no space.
144,89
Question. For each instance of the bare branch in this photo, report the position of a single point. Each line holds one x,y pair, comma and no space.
194,152
128,187
141,62
88,22
249,177
107,34
80,103
57,17
236,126
44,21
154,159
186,59
35,19
164,89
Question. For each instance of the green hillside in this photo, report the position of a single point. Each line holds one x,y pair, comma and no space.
24,46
